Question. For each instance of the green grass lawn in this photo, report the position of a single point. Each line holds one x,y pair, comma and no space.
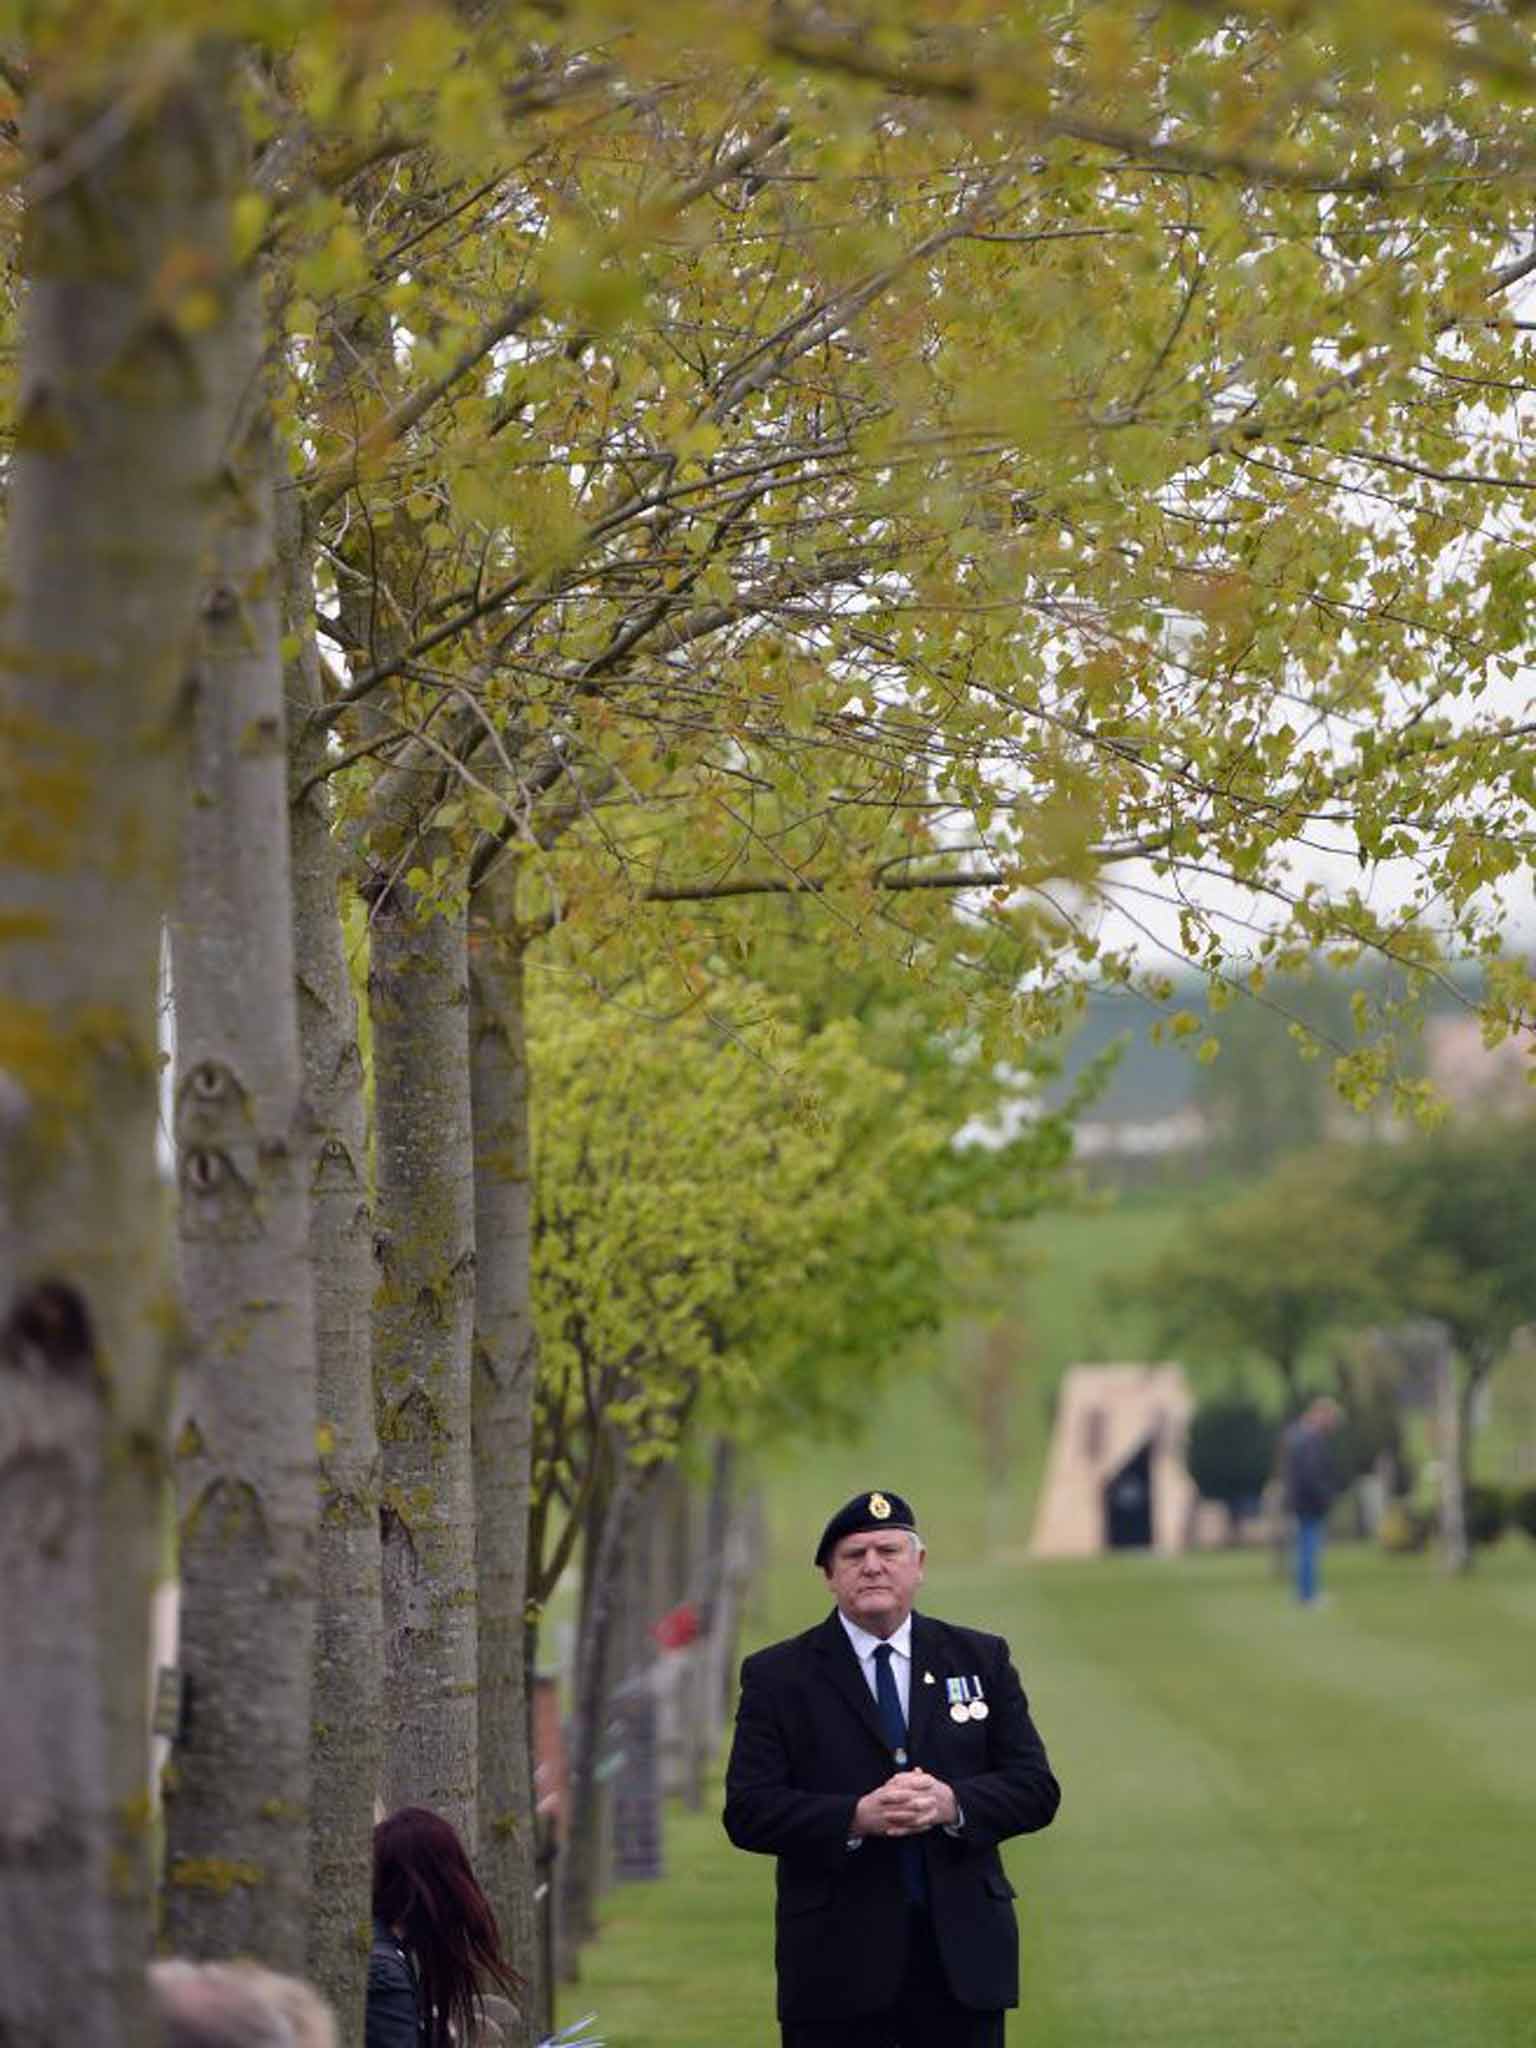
1279,1830
1066,1258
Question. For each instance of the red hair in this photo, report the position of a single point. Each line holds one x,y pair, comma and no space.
424,1889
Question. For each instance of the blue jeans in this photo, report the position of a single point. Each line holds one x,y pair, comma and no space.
1309,1554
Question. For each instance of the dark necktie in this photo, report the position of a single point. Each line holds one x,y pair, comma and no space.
893,1726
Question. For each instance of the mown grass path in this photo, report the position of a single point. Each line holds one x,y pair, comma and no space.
1280,1829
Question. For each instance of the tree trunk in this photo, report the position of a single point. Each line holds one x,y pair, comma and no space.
505,1365
423,1324
547,1826
719,1596
689,1582
602,1572
346,1752
1455,1550
1461,1553
110,479
237,1805
1289,1363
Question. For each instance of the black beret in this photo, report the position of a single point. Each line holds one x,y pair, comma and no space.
865,1511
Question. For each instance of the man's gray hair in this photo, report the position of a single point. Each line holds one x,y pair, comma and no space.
237,2005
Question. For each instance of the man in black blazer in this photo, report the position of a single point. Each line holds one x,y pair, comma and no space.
881,1757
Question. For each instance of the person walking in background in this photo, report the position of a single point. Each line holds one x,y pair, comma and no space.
1311,1485
882,1757
436,1950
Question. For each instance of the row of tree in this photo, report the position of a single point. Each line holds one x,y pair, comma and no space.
492,484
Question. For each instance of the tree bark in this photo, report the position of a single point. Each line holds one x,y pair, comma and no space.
596,1660
346,1753
111,475
506,1357
237,1797
725,1568
423,1322
1455,1549
1459,1412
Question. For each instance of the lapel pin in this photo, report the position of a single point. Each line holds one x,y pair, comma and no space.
927,1678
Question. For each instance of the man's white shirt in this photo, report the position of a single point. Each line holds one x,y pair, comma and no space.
864,1648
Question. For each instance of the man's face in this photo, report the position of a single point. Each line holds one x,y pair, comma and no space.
874,1578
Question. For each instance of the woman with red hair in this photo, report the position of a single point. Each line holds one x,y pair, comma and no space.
436,1949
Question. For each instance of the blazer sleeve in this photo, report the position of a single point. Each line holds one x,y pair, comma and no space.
390,2020
764,1809
1017,1794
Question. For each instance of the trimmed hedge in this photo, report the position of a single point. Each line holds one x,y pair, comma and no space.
1490,1510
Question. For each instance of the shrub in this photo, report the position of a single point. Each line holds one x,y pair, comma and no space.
1522,1510
1404,1528
1231,1452
1487,1514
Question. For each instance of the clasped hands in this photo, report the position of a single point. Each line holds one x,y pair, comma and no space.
908,1803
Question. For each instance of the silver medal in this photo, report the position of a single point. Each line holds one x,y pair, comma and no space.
959,1711
978,1710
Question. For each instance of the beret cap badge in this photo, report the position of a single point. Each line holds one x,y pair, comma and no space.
876,1509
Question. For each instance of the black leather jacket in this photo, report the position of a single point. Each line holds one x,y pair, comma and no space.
393,2014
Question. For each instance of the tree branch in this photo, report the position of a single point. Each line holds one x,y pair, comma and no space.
334,483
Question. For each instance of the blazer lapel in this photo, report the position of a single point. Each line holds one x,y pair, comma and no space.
840,1666
920,1706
